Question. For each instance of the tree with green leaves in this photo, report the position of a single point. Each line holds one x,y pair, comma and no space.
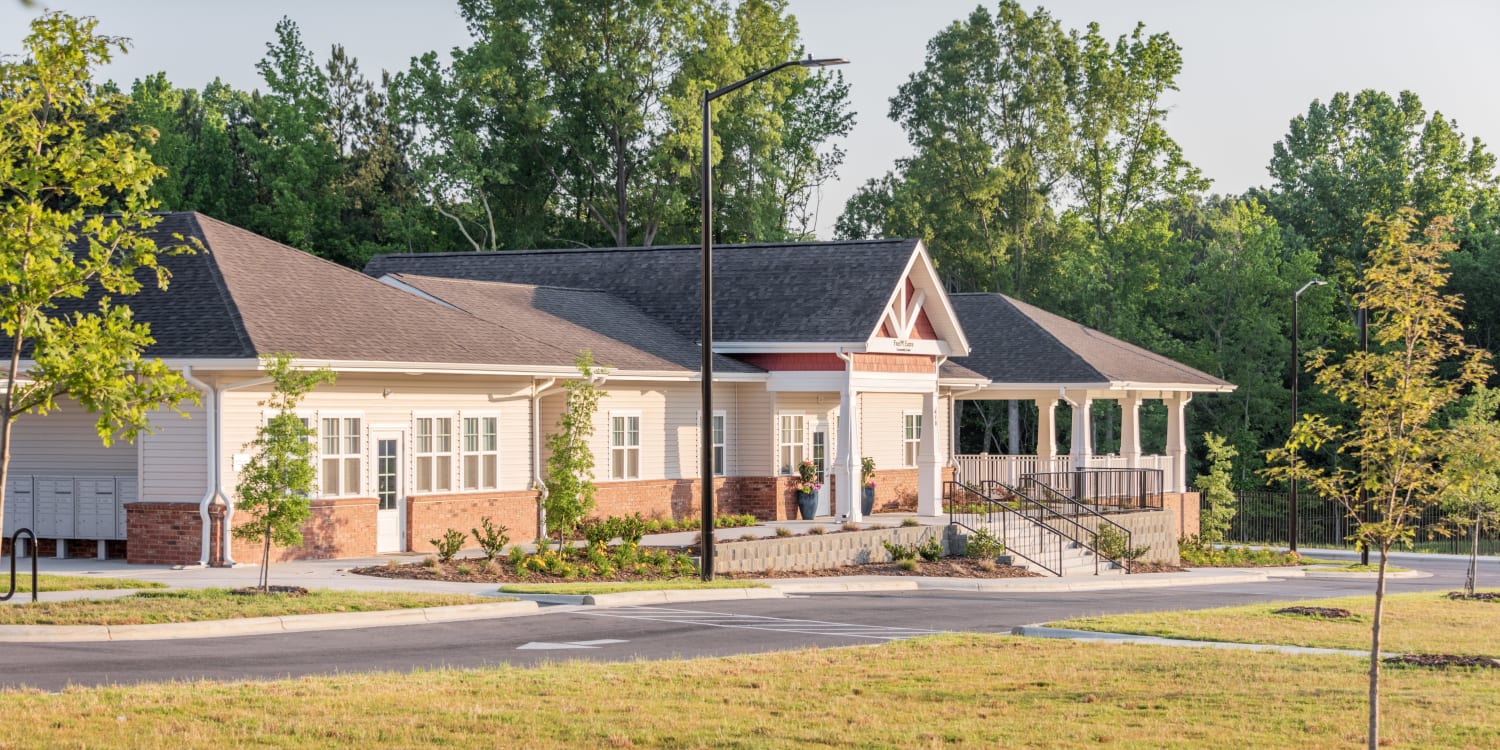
1418,364
1471,472
62,259
1214,487
276,484
569,485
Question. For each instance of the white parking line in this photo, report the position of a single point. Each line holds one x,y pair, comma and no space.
759,622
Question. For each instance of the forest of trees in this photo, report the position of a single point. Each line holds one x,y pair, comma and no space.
1041,167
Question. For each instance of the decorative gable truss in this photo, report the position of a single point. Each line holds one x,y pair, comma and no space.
918,318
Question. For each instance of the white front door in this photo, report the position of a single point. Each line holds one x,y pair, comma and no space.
820,455
389,490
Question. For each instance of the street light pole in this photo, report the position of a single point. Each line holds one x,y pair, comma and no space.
1296,380
706,421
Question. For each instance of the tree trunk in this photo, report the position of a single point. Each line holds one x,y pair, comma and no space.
1013,421
1374,730
8,418
1469,580
265,563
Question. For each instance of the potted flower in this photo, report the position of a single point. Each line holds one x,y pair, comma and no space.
807,489
867,480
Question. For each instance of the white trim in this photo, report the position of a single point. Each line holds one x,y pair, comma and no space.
785,347
959,347
341,456
780,445
610,438
455,436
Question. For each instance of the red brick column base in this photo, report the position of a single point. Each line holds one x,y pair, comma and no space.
163,533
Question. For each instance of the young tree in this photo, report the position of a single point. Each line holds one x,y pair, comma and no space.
570,465
1396,391
1217,494
274,487
61,258
1471,472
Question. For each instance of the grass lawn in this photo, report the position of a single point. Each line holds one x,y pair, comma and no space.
946,691
194,605
1428,623
619,587
74,583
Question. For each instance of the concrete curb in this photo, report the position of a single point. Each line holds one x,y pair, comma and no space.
1140,581
1090,636
262,625
826,587
677,596
1334,575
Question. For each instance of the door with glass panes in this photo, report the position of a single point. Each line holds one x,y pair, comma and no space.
822,456
390,518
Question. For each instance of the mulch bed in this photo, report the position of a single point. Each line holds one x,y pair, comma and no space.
504,574
949,567
1327,613
255,591
1443,660
1155,567
1478,596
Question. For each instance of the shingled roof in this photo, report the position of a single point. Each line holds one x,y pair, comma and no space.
617,334
1015,342
777,292
243,295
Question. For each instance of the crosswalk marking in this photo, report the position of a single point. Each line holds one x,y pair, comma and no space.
761,622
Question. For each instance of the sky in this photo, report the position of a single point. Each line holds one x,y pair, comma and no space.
1248,67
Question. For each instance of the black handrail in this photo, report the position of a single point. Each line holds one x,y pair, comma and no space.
1080,531
1123,489
1083,509
993,507
15,548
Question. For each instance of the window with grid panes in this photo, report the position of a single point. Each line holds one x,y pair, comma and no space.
911,439
434,454
625,447
340,453
481,453
792,439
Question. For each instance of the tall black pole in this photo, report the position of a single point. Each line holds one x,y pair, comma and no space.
1291,523
706,422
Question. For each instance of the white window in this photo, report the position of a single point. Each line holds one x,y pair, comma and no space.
720,435
434,452
792,439
481,453
340,456
624,446
911,438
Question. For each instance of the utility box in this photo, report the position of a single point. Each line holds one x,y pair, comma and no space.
94,508
20,505
54,508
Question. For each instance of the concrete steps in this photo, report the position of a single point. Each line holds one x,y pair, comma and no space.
1076,561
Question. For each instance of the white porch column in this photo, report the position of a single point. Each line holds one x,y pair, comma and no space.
1176,479
929,467
847,462
1130,430
1083,432
1046,429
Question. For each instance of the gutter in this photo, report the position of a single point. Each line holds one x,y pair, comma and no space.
536,453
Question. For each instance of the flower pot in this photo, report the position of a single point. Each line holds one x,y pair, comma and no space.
807,504
867,501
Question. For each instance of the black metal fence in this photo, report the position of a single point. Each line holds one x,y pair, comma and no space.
1261,518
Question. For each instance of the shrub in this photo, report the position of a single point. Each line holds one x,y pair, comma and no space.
783,531
984,545
850,526
899,552
931,549
749,537
907,523
1113,544
817,531
429,562
492,539
631,528
463,569
907,564
449,545
597,531
490,568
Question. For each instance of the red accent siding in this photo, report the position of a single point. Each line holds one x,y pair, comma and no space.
923,329
815,362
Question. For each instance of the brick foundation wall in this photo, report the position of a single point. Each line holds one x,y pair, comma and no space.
162,533
429,516
1185,506
339,527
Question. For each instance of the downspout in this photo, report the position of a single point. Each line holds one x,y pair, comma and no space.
848,475
211,453
536,454
218,440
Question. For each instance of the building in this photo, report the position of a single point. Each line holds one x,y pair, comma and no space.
450,370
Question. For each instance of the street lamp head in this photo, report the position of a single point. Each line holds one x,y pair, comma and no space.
1308,285
822,62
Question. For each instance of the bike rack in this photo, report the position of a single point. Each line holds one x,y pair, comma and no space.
15,549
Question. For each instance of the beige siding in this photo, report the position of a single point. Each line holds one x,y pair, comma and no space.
818,408
174,459
65,443
882,426
754,446
392,402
